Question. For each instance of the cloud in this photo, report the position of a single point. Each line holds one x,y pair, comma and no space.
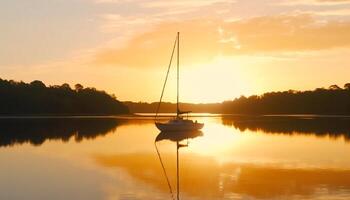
153,48
333,1
290,33
333,12
313,2
204,39
325,9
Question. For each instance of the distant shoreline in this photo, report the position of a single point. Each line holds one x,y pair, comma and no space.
19,99
168,115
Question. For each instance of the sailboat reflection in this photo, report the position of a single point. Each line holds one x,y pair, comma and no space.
175,137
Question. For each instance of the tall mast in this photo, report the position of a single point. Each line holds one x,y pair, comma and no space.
178,61
177,171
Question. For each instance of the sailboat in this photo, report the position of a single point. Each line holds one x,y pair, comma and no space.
178,123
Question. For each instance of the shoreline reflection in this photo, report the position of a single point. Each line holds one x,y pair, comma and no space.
332,127
37,130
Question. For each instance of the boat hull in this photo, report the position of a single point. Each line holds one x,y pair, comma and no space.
179,127
177,136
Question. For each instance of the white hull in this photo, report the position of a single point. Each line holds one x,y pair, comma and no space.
179,126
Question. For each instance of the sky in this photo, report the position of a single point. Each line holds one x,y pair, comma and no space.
228,48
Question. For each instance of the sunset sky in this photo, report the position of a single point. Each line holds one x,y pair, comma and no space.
227,48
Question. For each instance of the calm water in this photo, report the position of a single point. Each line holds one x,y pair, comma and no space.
305,157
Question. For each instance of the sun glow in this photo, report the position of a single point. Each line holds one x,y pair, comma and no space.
224,78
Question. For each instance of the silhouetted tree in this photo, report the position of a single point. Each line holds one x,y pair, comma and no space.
37,84
78,87
65,86
347,86
334,87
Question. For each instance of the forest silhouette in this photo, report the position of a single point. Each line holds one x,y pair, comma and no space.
331,101
168,107
35,98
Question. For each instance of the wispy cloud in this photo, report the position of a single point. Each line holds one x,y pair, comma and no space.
332,12
181,3
312,2
333,1
205,39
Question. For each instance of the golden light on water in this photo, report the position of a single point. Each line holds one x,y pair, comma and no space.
226,161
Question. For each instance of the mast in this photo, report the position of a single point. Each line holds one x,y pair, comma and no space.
166,77
178,61
177,171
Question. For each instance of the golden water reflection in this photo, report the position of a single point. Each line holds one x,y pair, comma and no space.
232,158
204,178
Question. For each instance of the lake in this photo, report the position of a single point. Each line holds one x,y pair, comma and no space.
233,157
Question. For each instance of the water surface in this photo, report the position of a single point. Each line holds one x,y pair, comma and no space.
235,157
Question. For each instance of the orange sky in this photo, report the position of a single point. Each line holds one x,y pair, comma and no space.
228,48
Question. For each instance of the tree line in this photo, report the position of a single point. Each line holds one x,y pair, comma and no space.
326,101
332,101
167,107
35,98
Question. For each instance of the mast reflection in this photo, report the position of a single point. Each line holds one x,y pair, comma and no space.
177,137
